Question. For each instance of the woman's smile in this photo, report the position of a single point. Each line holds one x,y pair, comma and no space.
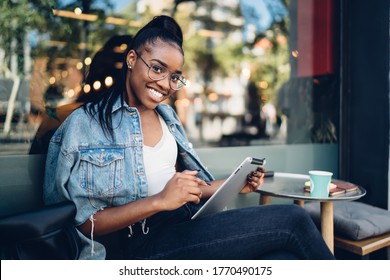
156,96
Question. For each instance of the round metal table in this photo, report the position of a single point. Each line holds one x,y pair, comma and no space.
291,186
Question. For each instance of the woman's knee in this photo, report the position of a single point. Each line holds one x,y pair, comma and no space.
295,210
298,214
290,210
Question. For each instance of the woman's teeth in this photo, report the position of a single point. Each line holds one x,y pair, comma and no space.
155,93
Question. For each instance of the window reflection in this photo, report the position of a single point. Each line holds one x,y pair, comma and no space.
252,67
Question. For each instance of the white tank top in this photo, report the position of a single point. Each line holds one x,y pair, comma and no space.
160,160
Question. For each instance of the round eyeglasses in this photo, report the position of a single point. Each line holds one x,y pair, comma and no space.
159,72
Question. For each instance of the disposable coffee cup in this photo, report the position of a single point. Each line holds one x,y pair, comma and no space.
320,183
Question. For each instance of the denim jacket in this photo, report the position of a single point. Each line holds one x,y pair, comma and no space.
96,171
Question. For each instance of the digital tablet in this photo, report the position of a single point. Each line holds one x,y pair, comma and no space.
230,188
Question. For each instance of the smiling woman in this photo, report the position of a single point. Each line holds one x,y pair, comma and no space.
125,161
265,91
159,72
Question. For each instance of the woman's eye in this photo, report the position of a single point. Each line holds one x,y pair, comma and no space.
175,78
157,69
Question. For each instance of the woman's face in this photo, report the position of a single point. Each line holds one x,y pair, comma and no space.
142,91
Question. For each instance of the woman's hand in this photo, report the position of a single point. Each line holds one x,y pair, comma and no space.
254,180
183,187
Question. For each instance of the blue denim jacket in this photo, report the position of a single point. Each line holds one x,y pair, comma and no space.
86,166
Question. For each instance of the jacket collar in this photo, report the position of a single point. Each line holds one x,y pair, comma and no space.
164,110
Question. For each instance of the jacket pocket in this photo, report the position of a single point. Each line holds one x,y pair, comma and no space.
101,173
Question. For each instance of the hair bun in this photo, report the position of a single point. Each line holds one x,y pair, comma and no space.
167,24
160,27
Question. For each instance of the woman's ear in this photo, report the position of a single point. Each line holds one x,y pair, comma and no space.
130,59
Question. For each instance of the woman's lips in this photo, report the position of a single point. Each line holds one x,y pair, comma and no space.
158,96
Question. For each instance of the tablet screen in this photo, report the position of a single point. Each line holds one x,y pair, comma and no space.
230,188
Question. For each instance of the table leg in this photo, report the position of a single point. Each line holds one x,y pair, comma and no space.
265,199
327,224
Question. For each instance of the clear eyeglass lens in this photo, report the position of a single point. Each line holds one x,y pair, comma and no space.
178,84
159,72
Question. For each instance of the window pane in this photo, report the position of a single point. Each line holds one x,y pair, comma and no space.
259,72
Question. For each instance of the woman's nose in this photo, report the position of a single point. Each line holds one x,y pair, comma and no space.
165,83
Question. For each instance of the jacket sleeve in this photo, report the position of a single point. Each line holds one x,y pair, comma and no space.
57,172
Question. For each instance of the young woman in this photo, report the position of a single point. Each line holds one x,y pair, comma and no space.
126,163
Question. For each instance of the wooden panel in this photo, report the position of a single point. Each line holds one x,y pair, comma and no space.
363,247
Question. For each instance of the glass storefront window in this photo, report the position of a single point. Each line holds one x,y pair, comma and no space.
260,72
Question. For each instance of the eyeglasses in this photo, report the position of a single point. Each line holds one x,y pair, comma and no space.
158,72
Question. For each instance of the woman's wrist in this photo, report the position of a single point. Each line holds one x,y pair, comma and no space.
158,202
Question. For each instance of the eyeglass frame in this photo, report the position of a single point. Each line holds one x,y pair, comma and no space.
170,73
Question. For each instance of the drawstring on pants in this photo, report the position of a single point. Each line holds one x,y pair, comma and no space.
145,229
91,218
130,231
